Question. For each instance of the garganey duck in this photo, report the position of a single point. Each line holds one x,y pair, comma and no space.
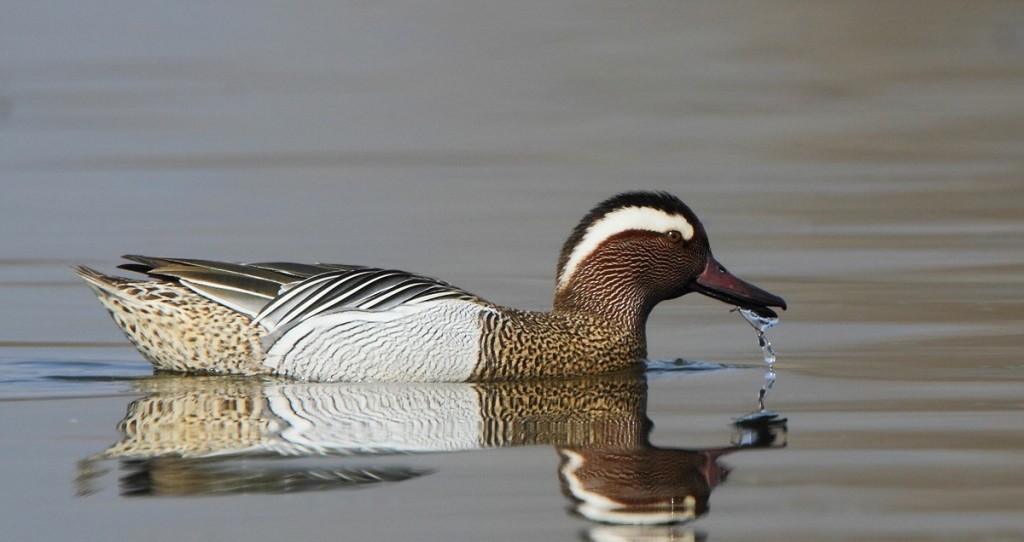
330,322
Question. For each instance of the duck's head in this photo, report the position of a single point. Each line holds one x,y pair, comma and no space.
639,248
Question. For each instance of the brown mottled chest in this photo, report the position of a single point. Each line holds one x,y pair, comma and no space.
519,344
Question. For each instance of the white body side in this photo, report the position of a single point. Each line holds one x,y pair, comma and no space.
437,341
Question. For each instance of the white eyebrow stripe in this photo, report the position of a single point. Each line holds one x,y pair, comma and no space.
618,221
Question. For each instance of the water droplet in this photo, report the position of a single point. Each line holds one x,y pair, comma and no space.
769,381
761,323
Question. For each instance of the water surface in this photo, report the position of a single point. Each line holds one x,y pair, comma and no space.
864,160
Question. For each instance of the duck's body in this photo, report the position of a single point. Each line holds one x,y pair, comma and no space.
451,336
349,323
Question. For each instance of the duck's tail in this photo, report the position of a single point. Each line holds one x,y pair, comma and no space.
175,328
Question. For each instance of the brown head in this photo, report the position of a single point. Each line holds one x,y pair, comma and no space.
640,248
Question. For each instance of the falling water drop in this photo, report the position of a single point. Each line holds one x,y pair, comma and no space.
761,323
769,381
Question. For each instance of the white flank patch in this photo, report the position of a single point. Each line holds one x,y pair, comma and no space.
618,221
436,341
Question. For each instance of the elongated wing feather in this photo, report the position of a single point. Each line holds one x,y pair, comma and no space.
279,295
158,266
304,270
363,289
245,288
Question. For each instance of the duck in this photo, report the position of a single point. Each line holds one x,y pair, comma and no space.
334,322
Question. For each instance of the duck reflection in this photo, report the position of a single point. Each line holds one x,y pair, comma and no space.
187,436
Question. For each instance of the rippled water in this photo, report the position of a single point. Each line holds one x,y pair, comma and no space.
865,160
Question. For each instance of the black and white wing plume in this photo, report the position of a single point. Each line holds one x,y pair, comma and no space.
360,289
281,295
245,288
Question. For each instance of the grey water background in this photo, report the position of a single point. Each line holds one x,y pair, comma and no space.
863,159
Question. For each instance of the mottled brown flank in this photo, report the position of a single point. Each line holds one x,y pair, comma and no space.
522,344
598,410
178,330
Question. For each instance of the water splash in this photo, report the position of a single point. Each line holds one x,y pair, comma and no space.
761,323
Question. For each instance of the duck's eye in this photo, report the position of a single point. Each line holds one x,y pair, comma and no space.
674,236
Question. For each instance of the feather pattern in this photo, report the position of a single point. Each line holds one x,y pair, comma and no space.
245,288
280,295
356,288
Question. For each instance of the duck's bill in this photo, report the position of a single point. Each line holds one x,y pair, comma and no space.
722,285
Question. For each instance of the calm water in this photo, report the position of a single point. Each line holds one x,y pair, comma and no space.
865,160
